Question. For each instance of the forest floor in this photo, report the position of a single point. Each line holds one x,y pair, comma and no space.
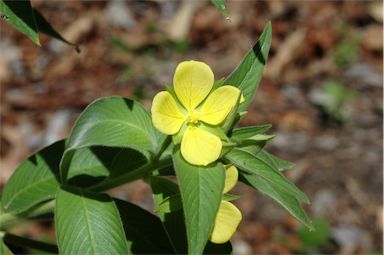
322,90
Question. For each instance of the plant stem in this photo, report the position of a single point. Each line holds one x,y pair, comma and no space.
132,175
29,243
163,147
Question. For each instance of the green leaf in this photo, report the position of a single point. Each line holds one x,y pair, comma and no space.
88,224
222,6
273,190
274,161
144,231
212,248
46,28
169,204
248,74
230,197
250,164
29,21
316,238
37,178
173,221
34,180
239,134
96,164
201,192
113,122
20,15
4,250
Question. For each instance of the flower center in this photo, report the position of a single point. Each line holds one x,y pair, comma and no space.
193,117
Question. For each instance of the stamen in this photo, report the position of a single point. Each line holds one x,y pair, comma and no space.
193,117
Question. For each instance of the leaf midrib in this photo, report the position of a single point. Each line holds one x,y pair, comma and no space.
87,222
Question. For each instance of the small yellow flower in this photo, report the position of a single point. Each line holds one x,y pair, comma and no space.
228,217
196,105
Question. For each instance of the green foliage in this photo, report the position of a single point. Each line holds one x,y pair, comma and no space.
257,166
315,238
26,19
34,181
348,48
222,6
3,248
248,74
201,191
336,97
20,15
88,224
113,142
113,122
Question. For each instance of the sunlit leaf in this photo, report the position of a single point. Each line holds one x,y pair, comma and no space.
273,190
113,122
248,73
201,192
20,15
88,224
34,181
253,165
222,6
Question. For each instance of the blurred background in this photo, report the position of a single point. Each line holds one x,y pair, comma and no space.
322,90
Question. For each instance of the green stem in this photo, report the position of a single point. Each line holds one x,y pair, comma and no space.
132,175
29,243
163,147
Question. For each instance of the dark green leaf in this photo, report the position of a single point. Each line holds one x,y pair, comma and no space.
21,16
88,224
34,181
274,161
113,122
246,132
222,249
46,28
273,190
144,231
315,238
250,164
92,165
169,204
29,21
248,74
3,248
222,6
173,221
201,192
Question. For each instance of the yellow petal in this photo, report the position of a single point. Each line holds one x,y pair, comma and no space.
192,82
231,175
242,98
166,116
227,220
200,147
217,106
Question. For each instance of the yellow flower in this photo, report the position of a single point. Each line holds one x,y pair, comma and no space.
195,107
228,217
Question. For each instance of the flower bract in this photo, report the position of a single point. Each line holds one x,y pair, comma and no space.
192,109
